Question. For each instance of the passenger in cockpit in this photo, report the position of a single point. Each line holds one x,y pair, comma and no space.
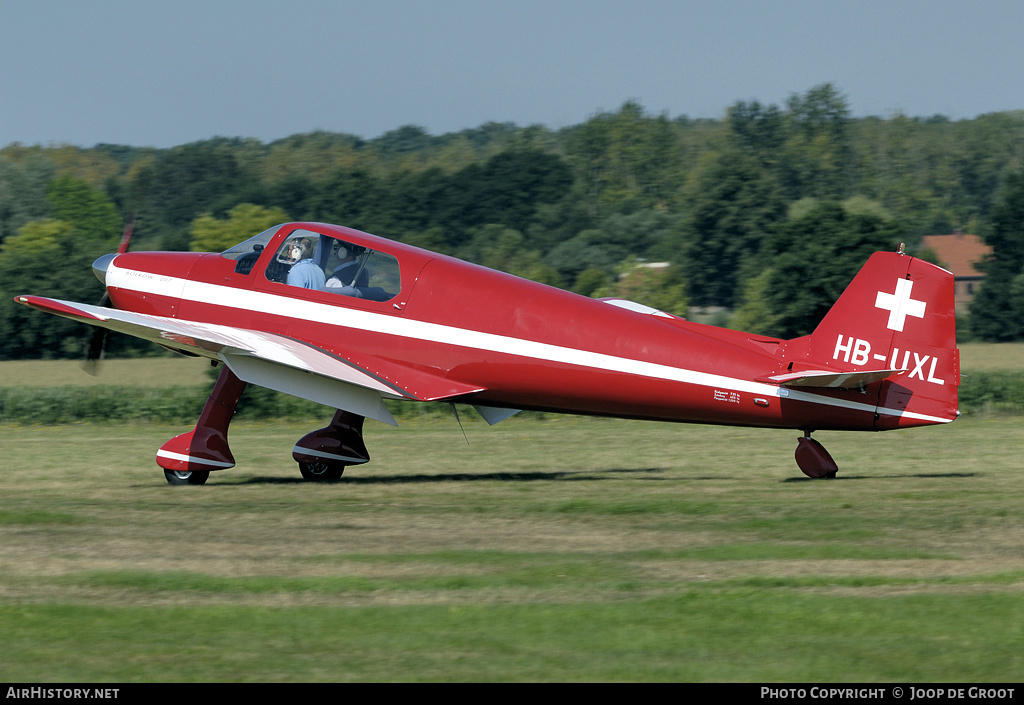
349,273
305,272
350,277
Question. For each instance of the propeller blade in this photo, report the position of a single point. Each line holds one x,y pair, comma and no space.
126,236
97,344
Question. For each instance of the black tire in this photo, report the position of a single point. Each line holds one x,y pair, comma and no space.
196,477
321,472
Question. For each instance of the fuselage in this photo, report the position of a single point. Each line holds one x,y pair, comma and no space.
527,345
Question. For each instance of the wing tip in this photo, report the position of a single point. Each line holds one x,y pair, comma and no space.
56,306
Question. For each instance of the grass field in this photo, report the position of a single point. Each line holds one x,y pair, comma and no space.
142,372
543,550
989,357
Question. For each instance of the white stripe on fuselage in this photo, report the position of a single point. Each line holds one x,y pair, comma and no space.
305,310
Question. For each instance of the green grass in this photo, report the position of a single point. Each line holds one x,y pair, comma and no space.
990,357
141,372
561,549
699,634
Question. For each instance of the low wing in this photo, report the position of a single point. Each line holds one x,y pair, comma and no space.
829,378
356,382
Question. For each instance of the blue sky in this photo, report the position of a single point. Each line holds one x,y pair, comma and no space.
161,73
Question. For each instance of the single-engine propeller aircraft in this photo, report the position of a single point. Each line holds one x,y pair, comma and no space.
348,319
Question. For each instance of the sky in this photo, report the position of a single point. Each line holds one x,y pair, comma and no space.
160,73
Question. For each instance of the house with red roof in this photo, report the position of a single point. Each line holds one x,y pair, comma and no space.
959,253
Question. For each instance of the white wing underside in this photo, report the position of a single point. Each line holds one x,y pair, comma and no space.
277,362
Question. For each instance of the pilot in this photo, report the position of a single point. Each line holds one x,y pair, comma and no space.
348,277
304,272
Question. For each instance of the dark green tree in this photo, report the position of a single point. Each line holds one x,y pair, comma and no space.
349,197
816,158
93,215
577,255
731,204
810,260
296,195
52,257
507,188
626,160
498,247
996,312
45,258
413,202
201,177
23,184
404,140
759,130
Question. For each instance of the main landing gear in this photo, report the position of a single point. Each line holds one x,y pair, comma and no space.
813,460
322,455
186,477
189,458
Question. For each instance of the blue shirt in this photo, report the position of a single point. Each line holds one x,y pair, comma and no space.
307,275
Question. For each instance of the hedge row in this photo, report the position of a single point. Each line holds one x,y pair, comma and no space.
177,405
989,392
992,392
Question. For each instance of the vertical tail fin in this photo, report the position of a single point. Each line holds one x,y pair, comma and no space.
897,314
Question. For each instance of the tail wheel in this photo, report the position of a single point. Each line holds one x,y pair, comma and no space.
179,477
813,460
320,472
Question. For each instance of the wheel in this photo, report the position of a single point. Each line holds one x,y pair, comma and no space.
178,477
318,472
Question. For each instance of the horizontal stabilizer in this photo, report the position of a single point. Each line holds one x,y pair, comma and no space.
830,379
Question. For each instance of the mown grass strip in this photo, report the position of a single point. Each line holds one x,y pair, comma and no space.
700,634
40,517
601,575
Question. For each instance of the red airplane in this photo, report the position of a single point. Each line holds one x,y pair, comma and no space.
348,319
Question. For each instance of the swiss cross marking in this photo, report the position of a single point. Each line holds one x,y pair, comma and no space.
900,305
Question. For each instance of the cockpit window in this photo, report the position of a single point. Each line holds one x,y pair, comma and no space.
314,261
246,253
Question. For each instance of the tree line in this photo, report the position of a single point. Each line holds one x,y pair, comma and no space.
762,216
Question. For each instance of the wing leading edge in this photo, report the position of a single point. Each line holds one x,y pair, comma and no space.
356,383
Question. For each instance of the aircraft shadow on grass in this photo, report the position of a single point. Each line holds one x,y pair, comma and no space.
920,475
557,476
535,476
